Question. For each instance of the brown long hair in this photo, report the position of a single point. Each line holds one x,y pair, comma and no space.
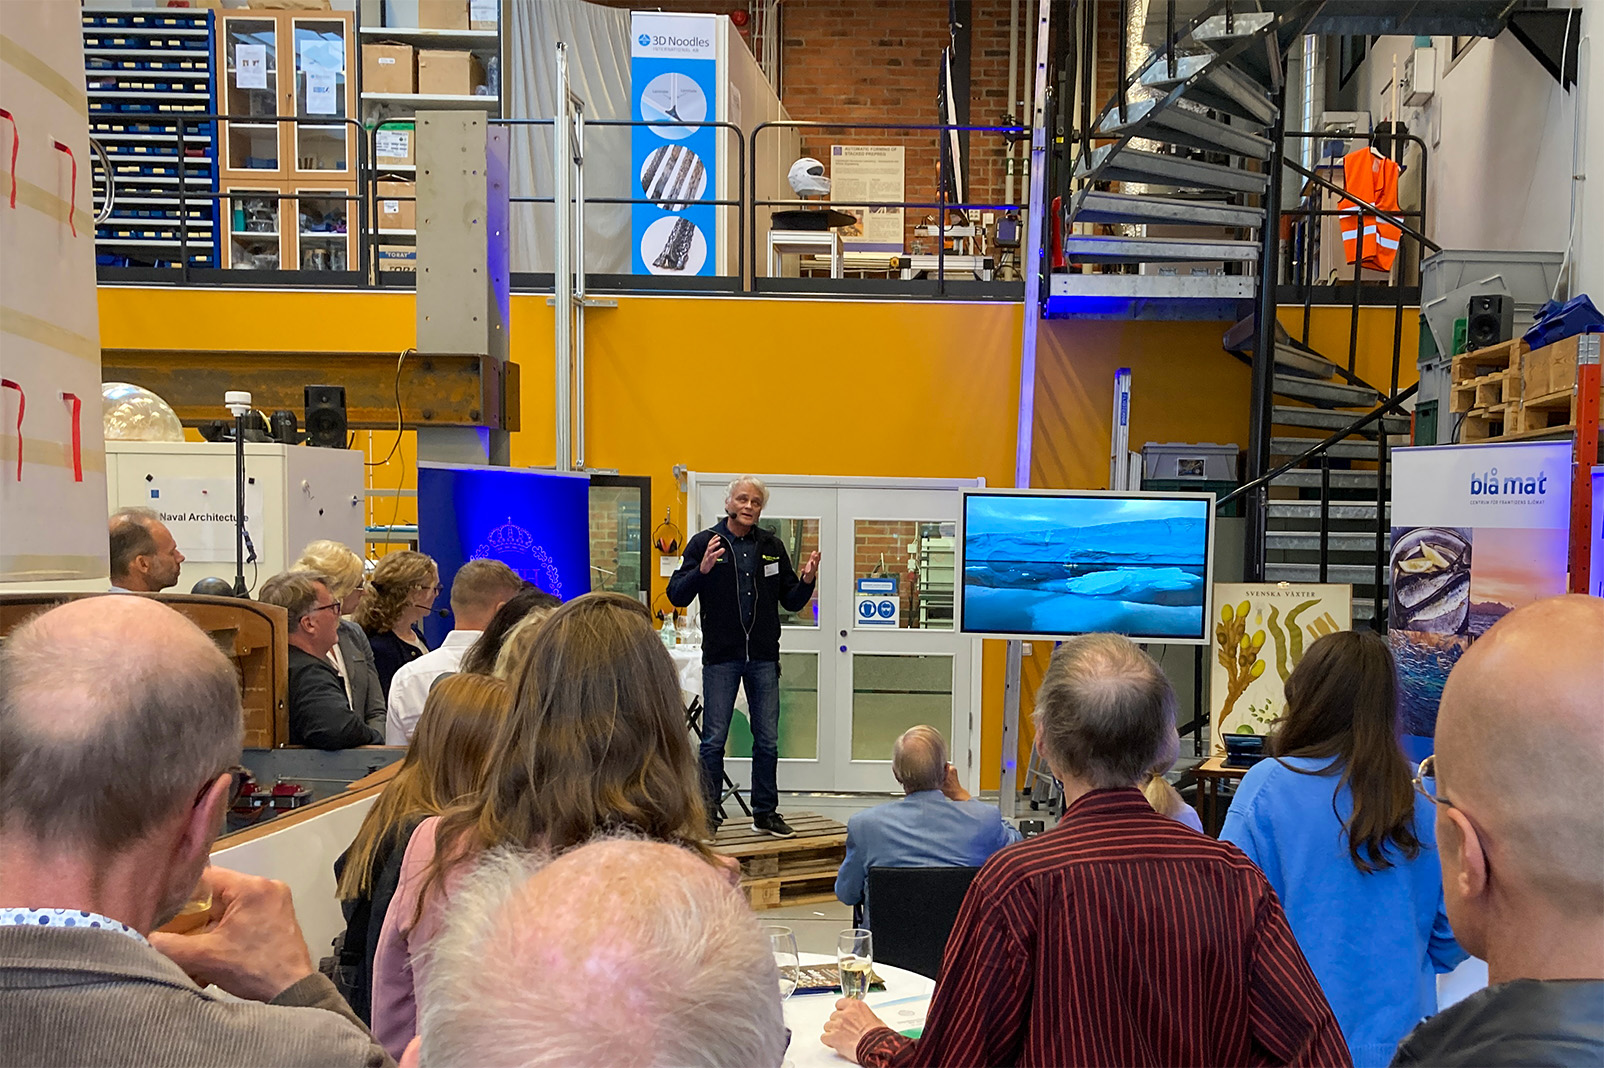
596,741
390,588
1342,704
445,763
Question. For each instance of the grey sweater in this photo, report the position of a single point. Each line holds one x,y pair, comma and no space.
91,997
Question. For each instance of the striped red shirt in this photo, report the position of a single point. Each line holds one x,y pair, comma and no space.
1120,937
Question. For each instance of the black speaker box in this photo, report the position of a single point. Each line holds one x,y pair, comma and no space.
286,431
325,416
1490,319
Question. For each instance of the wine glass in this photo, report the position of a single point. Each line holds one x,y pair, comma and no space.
854,951
783,942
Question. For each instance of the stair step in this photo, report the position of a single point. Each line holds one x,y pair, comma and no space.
1326,394
1131,165
1357,574
1365,480
1363,510
1087,248
1221,88
1287,415
1098,207
1212,31
1342,450
1339,541
1179,126
1290,359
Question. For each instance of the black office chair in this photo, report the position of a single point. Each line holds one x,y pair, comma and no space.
911,912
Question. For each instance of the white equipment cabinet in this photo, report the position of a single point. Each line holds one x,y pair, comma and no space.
294,494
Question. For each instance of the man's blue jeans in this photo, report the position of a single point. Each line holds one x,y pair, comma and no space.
719,683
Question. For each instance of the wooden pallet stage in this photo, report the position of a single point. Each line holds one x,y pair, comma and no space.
786,871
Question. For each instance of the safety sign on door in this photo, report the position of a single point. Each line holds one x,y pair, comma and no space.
877,603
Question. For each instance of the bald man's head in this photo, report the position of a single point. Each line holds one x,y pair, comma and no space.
1520,743
114,711
919,759
610,954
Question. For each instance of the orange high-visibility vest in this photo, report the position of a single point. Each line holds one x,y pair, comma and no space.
1369,238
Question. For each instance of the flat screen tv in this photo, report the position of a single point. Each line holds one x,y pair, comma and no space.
1050,564
536,522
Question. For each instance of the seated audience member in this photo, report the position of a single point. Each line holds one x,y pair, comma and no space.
320,713
352,657
659,938
401,591
1333,823
478,591
119,724
144,556
1519,802
937,824
531,601
515,649
596,741
1167,801
1119,936
444,764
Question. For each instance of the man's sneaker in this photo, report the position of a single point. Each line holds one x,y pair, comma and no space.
773,823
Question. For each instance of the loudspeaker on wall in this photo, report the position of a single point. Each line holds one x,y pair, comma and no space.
325,416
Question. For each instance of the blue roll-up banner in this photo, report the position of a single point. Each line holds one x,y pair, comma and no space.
673,74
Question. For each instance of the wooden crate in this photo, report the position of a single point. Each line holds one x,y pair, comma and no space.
786,871
1550,369
1482,424
1505,356
1545,414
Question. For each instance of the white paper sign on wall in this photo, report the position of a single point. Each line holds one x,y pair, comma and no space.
878,606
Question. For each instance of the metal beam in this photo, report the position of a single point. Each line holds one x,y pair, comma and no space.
437,390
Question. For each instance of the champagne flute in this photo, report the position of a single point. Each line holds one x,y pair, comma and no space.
854,952
783,942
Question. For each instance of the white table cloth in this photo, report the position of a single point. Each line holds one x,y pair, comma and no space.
902,1005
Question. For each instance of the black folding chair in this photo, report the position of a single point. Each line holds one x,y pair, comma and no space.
911,912
693,720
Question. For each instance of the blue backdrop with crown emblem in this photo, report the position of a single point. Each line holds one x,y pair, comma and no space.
536,522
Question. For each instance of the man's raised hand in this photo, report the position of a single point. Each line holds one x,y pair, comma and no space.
710,555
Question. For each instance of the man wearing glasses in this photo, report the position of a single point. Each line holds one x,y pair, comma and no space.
320,712
1518,781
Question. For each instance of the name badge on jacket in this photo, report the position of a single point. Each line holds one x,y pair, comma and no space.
770,570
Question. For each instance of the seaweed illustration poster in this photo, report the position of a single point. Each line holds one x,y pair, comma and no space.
1260,632
1477,531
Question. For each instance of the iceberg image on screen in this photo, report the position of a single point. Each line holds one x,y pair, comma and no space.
1064,565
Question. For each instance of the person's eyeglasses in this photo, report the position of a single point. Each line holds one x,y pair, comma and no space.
1426,782
238,776
324,607
432,591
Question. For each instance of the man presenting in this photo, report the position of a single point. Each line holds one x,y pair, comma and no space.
936,825
320,712
144,556
743,576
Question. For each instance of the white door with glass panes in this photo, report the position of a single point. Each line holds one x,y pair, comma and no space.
849,686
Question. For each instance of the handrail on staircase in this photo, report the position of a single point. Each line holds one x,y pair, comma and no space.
1366,208
1320,447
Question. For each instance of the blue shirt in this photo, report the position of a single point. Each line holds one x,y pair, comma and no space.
1376,942
925,829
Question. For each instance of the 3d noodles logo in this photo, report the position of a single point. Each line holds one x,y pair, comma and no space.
645,40
516,547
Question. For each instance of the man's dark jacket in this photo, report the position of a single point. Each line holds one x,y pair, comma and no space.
724,638
320,713
1522,1022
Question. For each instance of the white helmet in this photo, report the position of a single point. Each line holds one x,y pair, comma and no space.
807,177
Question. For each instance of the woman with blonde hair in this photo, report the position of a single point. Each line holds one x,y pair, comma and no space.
445,763
596,741
344,573
401,591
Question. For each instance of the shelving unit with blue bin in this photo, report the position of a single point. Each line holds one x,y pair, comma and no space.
141,68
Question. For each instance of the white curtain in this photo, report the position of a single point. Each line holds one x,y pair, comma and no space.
598,73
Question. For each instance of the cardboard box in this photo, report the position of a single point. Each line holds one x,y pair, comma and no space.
443,14
483,14
443,73
389,68
398,257
397,209
395,144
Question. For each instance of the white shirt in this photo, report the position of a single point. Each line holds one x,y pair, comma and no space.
410,687
75,918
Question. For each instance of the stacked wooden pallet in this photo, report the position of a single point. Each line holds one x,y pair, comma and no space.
1507,392
786,871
